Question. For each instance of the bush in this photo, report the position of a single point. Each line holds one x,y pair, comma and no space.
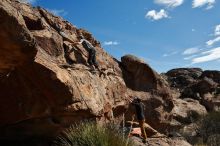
91,134
204,130
209,128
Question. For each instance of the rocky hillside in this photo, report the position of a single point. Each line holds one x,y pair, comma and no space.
194,83
47,85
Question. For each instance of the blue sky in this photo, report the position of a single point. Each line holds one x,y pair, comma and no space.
165,33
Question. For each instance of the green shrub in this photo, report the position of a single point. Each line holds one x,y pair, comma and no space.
209,128
205,130
91,134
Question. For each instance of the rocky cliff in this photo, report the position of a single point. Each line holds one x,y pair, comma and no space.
47,85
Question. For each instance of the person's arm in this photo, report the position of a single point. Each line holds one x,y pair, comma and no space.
143,106
80,41
134,103
76,43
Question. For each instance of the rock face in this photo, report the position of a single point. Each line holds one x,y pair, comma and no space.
14,38
144,82
46,83
196,84
182,77
187,110
214,75
138,73
161,142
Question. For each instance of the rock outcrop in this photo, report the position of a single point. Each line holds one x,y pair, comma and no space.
196,84
182,77
144,82
187,110
46,84
212,74
161,142
17,44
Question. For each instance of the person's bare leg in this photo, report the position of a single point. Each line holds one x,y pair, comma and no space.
143,133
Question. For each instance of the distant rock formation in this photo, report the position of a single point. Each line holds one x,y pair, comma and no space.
194,83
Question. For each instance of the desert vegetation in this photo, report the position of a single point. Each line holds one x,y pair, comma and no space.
207,130
92,134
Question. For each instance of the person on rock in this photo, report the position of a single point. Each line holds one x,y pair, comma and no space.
140,108
91,50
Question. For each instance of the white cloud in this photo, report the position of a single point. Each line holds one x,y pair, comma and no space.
217,30
211,42
170,54
191,51
28,1
58,12
190,57
165,55
154,15
111,43
169,3
209,7
211,55
200,3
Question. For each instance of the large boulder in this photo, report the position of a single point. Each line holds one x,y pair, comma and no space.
200,88
204,86
46,84
188,110
212,74
41,93
182,77
196,84
203,91
139,77
192,72
211,102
